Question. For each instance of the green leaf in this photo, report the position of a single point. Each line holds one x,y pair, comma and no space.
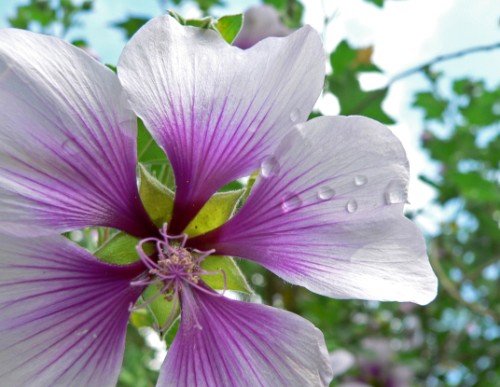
229,26
120,249
136,370
215,212
342,58
131,25
278,4
433,106
378,3
157,199
235,280
475,187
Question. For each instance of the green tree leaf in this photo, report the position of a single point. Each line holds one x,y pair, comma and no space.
229,26
378,3
131,25
433,106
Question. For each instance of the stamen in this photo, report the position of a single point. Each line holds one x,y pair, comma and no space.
176,267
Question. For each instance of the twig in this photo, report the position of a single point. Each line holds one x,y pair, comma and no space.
443,58
450,288
365,102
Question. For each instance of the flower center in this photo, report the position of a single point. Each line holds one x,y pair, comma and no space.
170,267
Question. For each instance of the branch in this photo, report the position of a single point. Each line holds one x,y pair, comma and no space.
444,58
450,288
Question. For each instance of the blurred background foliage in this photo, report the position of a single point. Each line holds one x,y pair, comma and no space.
453,341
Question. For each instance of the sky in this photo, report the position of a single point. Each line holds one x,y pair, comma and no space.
404,34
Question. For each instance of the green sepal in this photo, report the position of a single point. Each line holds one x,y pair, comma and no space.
120,249
205,23
141,318
157,199
160,309
229,26
250,184
235,280
216,211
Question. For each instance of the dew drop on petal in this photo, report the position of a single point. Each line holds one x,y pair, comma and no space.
295,115
351,206
395,193
269,167
82,332
290,203
326,193
360,180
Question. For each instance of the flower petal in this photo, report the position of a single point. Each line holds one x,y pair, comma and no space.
217,110
222,342
330,217
67,140
64,314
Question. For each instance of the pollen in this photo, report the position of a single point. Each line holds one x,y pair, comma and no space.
178,263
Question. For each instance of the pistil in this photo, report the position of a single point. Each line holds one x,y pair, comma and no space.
171,267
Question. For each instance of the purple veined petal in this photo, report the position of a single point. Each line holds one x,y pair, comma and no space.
218,111
67,141
332,218
222,342
64,314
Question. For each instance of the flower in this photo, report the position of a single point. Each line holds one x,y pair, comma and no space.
325,212
259,23
376,367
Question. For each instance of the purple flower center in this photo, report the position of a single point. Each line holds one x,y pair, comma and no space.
171,267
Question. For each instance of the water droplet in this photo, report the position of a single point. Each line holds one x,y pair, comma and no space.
326,193
351,206
301,128
360,180
295,115
269,167
82,332
394,197
395,193
290,203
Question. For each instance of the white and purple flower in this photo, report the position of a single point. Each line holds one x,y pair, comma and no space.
326,211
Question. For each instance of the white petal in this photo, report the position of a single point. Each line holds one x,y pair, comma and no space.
67,140
330,215
64,314
217,110
222,342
